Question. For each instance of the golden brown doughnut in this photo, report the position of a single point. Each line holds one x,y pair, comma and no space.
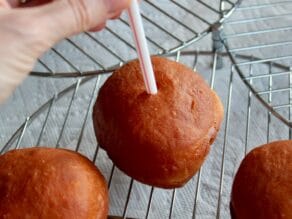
46,183
262,188
162,139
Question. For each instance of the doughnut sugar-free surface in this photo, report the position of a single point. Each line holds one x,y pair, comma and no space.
51,183
162,139
263,184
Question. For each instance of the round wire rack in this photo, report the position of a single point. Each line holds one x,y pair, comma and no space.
263,63
169,25
65,121
264,32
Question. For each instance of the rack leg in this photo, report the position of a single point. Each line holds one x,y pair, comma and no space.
218,46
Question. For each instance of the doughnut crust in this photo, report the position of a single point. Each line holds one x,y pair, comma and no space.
46,183
262,187
162,139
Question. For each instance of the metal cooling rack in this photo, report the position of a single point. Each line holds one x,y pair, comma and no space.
65,120
264,32
170,26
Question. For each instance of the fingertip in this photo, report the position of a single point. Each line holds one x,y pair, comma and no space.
116,16
129,2
117,5
98,28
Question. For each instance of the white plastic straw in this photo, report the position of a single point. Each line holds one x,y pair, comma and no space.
142,48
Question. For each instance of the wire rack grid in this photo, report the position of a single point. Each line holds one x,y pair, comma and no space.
65,121
264,31
169,25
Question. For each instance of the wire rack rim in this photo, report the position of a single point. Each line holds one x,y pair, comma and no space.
110,70
225,15
235,66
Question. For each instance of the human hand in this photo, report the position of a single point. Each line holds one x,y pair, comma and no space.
29,29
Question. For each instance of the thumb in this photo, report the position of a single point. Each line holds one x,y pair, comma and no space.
64,18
